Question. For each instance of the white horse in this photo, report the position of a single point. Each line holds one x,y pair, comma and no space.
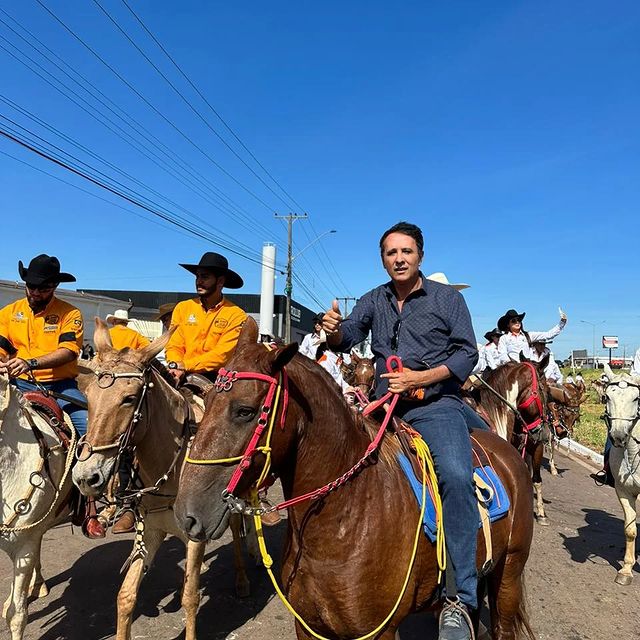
622,413
28,499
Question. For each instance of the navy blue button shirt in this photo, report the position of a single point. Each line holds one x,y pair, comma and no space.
434,328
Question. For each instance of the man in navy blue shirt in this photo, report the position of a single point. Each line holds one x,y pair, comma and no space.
428,325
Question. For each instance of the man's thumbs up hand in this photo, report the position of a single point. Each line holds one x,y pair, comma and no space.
332,318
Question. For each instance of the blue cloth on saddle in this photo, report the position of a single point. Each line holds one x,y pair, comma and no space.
498,505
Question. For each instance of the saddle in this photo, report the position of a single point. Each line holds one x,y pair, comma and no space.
49,409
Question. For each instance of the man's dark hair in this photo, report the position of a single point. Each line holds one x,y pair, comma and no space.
407,229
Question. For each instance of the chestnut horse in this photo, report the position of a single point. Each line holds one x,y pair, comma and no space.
133,404
524,387
347,553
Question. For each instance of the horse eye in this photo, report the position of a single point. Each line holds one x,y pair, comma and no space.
245,413
129,400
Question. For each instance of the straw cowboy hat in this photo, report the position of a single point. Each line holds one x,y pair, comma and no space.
43,269
165,309
438,276
218,264
512,314
491,334
120,314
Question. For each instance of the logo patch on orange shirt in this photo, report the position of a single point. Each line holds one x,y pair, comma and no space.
220,323
52,319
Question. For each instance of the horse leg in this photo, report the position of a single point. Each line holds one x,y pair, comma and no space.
190,590
552,463
243,587
15,610
38,587
509,619
251,540
628,502
128,593
536,463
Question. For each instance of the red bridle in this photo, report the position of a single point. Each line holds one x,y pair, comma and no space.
534,396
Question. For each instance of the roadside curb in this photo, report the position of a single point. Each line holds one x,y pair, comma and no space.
582,454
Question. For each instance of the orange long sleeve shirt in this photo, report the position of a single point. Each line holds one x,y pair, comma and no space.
26,335
204,340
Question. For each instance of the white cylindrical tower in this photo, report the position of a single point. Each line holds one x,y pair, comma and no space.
267,288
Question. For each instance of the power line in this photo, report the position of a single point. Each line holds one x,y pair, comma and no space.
118,192
153,107
211,107
223,206
187,102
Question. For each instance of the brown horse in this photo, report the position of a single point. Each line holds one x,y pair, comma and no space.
346,554
524,387
364,375
131,402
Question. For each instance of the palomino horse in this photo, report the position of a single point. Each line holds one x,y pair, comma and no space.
514,398
622,415
133,405
35,485
347,553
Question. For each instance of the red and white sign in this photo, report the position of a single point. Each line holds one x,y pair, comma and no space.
610,342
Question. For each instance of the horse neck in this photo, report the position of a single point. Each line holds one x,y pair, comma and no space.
328,441
162,424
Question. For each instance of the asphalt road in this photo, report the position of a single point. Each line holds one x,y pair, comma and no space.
570,581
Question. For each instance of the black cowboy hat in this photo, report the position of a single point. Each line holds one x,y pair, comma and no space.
512,314
43,269
317,319
219,265
490,334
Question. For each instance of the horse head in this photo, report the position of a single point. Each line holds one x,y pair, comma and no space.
622,405
115,383
364,375
245,409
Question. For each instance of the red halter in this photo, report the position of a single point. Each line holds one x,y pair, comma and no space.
533,397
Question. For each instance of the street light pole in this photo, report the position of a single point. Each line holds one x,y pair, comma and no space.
593,327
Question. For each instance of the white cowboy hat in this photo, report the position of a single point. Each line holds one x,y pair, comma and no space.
120,314
438,276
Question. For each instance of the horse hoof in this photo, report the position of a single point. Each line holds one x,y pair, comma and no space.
543,521
624,579
39,590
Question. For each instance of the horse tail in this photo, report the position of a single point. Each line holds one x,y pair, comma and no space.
523,630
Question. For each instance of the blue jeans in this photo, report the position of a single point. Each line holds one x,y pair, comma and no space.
442,425
69,388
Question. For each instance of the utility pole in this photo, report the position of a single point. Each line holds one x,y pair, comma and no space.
346,303
291,218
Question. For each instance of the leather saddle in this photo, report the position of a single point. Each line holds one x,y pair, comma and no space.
48,408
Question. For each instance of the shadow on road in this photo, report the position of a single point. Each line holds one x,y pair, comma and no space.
87,607
601,537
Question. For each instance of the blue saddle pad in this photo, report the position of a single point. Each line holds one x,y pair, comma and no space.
498,504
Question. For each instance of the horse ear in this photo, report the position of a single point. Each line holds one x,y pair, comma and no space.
355,357
282,357
149,352
248,333
523,358
101,337
608,371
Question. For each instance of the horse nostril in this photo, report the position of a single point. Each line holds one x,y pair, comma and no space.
94,480
193,527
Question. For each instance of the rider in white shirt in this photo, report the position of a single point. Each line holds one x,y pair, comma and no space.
312,341
516,339
488,353
635,367
552,371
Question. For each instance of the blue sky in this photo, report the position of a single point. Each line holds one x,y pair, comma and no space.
507,131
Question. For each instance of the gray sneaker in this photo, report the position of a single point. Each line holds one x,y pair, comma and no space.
455,623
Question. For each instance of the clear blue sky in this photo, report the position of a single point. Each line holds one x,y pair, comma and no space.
508,131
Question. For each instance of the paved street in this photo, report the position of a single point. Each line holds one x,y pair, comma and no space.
571,592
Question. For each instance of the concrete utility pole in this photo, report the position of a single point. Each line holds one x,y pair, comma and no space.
346,300
291,218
